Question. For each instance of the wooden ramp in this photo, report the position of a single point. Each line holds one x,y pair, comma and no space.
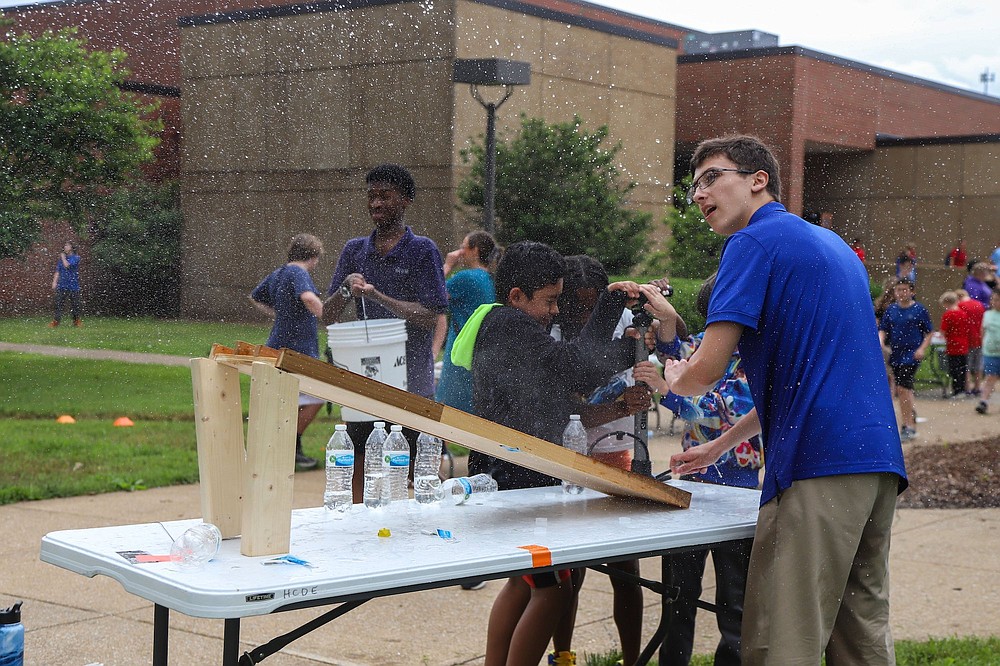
387,402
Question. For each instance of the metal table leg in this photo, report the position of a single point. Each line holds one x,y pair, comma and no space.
231,643
161,631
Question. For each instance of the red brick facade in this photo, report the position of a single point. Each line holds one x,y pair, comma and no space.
802,102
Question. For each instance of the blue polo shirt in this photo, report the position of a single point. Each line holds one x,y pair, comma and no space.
69,278
411,271
905,330
294,326
810,350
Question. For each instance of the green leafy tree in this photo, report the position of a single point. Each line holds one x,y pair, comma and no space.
693,247
557,183
136,252
68,134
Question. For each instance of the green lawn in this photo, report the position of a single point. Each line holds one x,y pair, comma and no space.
140,334
44,387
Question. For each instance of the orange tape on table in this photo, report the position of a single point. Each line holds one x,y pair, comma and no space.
540,555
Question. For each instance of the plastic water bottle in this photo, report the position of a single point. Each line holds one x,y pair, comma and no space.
396,466
425,469
339,471
574,438
11,636
460,489
196,546
373,466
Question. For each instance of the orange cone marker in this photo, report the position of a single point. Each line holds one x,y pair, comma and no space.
123,421
65,418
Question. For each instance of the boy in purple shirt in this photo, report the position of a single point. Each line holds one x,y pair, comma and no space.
391,274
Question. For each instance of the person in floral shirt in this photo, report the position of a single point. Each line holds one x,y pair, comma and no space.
706,418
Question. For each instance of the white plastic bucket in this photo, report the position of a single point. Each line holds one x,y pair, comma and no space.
375,348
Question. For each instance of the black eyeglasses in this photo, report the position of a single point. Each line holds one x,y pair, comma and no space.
706,179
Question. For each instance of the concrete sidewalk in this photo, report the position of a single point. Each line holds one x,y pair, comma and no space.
945,564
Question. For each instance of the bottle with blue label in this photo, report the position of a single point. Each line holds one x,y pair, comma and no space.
11,636
396,466
339,493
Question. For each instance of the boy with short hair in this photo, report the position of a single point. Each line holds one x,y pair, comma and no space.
956,328
524,379
391,273
906,330
289,296
795,299
974,310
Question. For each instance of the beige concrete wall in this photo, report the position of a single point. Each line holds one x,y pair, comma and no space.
931,195
284,116
605,79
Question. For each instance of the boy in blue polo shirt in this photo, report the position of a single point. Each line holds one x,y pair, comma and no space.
906,329
794,298
391,274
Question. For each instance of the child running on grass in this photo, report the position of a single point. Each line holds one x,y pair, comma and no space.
524,379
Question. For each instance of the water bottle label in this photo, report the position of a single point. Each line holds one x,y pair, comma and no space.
397,459
466,485
344,459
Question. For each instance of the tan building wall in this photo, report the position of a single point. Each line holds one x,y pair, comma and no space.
932,195
283,116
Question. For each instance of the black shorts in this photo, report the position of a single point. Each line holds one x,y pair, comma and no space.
904,375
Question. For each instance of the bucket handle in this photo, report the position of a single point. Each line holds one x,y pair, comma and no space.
331,361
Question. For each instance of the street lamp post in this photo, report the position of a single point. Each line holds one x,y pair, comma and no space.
491,72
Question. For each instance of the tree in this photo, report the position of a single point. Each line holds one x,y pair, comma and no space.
137,252
68,134
557,183
694,248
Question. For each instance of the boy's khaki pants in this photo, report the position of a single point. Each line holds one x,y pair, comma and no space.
819,576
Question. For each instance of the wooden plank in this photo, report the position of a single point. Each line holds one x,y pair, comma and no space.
218,417
352,390
270,469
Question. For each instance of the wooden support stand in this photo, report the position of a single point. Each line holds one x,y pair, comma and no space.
267,509
246,490
251,492
218,419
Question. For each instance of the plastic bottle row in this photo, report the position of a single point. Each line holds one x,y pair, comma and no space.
386,471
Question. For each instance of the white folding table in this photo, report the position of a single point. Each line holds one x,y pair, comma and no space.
512,533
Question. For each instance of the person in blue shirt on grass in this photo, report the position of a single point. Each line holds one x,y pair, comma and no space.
795,300
66,284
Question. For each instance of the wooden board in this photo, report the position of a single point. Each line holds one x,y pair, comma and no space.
270,462
218,419
392,404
